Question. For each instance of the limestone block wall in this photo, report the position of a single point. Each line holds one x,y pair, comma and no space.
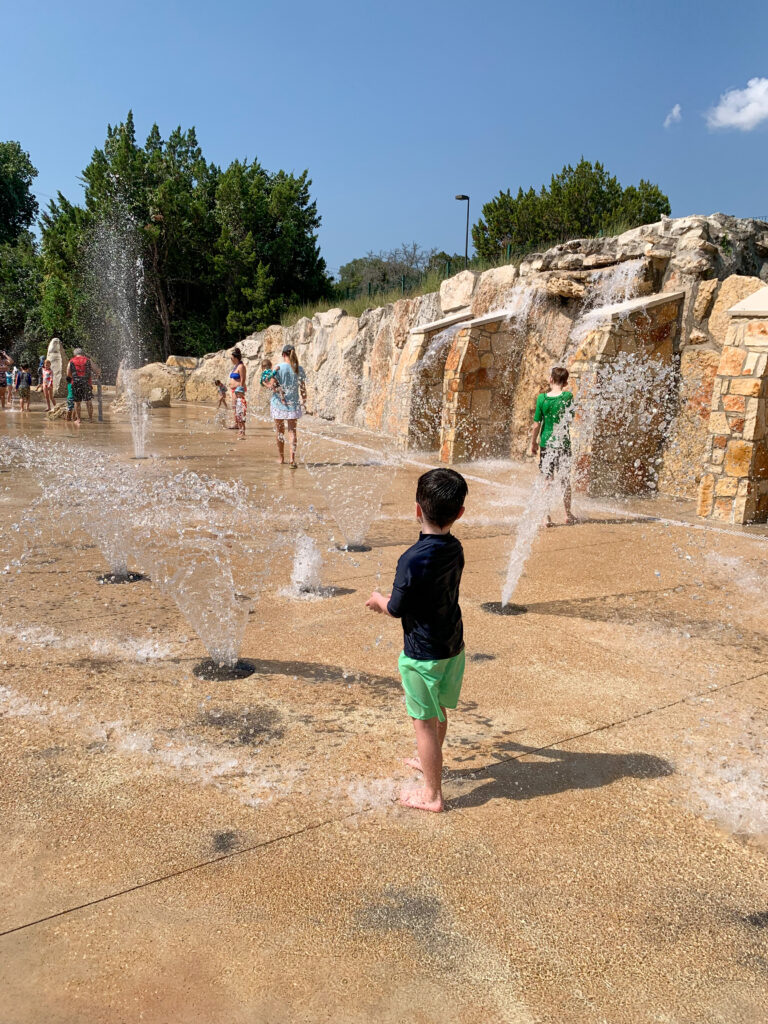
406,369
734,486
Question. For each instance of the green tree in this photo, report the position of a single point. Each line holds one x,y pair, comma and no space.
222,253
581,201
18,207
167,189
20,273
267,257
64,296
20,276
385,270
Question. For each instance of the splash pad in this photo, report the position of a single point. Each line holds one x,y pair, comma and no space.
568,729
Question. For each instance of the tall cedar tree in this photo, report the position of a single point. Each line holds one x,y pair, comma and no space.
223,252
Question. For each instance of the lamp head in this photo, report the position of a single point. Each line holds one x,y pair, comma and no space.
462,197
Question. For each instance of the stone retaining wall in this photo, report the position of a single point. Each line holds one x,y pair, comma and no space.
458,371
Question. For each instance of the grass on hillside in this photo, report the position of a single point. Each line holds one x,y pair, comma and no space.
429,283
356,306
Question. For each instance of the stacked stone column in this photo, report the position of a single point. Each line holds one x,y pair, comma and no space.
734,486
475,402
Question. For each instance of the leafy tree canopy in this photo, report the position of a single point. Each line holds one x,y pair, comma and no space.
581,201
389,269
19,288
222,253
18,207
19,263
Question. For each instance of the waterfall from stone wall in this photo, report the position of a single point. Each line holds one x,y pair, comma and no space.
605,299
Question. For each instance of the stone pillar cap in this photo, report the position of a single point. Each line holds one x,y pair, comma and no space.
755,305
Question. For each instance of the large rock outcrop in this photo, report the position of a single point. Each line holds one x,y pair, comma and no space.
58,359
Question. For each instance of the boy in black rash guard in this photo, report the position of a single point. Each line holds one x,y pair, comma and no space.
425,595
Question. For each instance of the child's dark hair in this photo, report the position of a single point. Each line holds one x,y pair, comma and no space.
266,364
217,383
559,376
441,494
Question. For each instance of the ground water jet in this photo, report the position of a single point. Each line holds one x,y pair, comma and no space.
208,545
307,562
117,276
540,503
85,488
354,487
201,540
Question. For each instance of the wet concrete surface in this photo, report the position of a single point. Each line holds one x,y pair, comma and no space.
175,849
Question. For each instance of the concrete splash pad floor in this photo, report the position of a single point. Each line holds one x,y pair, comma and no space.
177,850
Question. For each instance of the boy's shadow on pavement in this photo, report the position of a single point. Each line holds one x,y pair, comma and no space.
565,769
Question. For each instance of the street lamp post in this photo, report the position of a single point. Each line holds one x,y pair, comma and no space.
466,236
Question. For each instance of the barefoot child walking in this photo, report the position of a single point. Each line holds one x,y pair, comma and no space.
46,385
550,434
241,411
425,595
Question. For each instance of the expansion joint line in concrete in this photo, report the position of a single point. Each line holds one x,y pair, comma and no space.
184,871
355,814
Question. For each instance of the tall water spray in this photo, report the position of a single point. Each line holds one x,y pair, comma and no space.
615,389
117,281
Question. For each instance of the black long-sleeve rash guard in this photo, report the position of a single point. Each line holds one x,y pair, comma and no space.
425,595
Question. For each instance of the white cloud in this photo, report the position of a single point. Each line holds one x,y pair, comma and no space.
675,115
744,109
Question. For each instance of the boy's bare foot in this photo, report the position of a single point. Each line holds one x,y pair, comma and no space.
420,800
280,462
413,762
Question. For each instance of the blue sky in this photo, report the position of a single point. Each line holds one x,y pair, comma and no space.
395,108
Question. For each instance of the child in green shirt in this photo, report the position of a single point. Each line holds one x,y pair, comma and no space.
71,410
550,434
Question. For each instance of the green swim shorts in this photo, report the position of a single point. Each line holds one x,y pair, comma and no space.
431,686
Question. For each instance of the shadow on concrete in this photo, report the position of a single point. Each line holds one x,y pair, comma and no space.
564,770
647,608
316,672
